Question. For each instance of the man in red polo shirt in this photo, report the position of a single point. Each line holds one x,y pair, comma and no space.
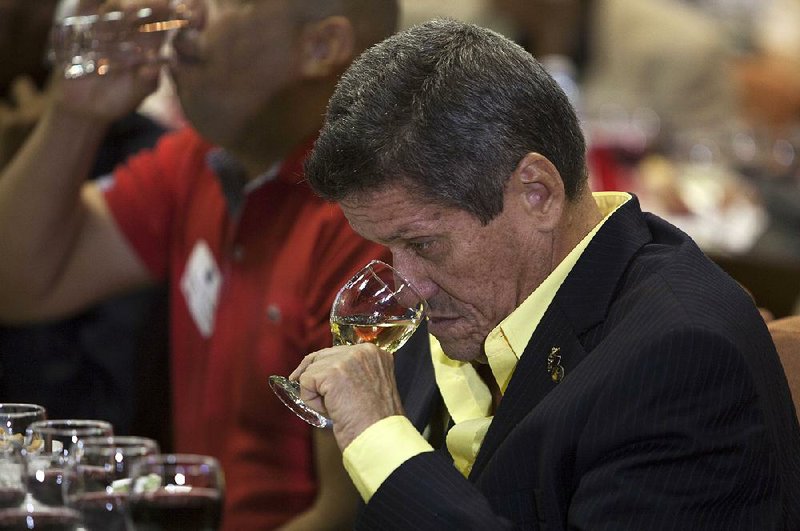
222,213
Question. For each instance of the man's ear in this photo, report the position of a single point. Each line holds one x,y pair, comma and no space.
328,46
537,187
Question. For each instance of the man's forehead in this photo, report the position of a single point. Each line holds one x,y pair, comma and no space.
393,214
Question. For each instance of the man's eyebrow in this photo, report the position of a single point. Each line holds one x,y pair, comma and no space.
407,234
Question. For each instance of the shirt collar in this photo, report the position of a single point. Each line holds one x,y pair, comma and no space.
231,173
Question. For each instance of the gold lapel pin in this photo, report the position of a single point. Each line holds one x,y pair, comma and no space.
554,367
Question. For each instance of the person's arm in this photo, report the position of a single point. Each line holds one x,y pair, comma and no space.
355,386
339,253
61,248
689,443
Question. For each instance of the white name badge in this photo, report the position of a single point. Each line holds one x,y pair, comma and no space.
200,285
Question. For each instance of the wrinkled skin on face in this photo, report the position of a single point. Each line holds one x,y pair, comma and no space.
472,275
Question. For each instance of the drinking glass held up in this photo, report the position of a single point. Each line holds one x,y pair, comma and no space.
377,305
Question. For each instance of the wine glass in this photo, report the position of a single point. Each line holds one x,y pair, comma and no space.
14,420
18,510
377,305
87,39
97,479
49,451
176,492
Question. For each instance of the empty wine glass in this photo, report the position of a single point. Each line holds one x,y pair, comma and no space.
97,480
48,455
377,305
176,492
88,39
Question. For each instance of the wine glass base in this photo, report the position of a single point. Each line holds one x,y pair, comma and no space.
289,393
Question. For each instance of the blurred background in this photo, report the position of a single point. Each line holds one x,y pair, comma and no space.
693,105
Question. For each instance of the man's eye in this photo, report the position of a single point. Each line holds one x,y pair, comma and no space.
420,246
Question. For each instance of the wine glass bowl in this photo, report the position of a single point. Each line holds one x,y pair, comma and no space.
86,38
97,480
176,492
46,460
14,421
377,305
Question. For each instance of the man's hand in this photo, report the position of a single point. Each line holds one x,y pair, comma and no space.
123,76
353,385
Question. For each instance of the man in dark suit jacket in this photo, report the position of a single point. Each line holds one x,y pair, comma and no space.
591,368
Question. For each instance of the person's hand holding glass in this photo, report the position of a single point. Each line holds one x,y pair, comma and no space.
97,37
377,305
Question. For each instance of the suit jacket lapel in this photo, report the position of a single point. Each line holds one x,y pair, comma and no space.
581,303
414,374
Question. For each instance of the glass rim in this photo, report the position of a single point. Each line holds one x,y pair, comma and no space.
68,426
100,445
177,459
356,277
23,409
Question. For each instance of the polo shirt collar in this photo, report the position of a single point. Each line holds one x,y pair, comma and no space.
231,173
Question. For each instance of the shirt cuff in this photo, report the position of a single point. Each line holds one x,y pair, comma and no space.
380,450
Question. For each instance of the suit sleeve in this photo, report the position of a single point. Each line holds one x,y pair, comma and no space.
427,492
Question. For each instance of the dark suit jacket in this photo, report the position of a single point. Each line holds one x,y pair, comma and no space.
674,412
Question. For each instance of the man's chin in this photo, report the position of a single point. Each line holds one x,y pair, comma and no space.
458,351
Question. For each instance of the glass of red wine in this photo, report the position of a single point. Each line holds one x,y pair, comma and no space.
98,480
17,509
49,452
377,305
175,492
29,516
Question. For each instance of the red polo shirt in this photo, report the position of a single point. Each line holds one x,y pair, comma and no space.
275,264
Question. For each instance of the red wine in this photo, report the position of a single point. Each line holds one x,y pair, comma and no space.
11,497
45,486
199,510
101,511
60,519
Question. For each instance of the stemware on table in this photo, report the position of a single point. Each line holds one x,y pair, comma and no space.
175,492
97,480
47,460
14,421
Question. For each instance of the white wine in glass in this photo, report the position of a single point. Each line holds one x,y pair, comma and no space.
377,305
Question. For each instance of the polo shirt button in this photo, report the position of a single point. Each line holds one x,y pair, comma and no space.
274,313
238,252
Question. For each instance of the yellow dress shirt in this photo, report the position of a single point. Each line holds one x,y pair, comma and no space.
387,444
